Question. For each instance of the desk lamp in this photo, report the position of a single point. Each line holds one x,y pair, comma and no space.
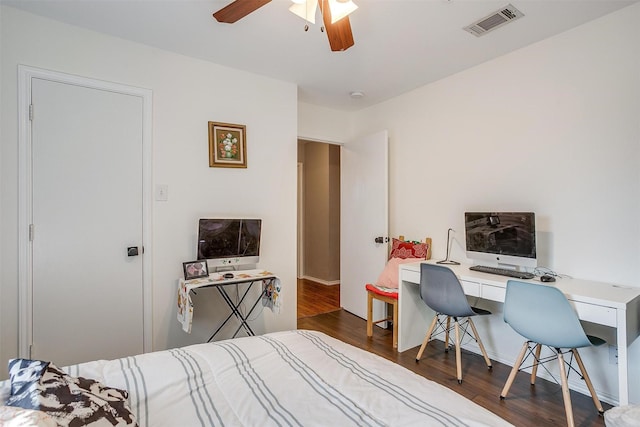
447,260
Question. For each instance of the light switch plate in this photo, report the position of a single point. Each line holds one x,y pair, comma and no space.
162,192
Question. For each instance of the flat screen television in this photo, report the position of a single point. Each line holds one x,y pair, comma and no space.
504,238
229,242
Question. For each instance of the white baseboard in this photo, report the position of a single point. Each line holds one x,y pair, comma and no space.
322,282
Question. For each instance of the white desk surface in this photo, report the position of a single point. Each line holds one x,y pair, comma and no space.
217,279
587,291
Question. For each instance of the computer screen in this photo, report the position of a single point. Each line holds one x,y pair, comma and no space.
504,238
229,241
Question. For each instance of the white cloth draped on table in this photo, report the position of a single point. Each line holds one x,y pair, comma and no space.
271,289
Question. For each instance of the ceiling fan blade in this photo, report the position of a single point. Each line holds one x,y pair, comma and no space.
237,10
339,33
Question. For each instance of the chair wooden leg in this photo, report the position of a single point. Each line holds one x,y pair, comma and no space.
446,334
514,370
534,370
395,325
587,380
369,314
565,390
427,337
458,355
479,341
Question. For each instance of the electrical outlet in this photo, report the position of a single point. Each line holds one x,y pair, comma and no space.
613,355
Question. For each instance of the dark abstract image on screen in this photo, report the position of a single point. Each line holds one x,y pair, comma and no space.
220,238
510,233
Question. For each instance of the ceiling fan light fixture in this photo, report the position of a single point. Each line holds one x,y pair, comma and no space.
305,9
340,9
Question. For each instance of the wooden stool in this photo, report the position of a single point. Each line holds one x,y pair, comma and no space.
386,297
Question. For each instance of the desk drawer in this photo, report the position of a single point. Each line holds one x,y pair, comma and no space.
595,313
410,276
471,288
493,293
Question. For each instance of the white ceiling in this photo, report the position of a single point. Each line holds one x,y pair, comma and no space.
399,44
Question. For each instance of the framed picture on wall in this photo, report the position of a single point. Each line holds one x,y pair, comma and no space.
195,269
227,145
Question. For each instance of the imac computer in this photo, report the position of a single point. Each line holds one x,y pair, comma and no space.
504,239
229,242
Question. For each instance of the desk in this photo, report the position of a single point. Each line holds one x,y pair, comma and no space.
270,294
600,303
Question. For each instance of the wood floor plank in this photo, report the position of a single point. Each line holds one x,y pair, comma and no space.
316,298
540,405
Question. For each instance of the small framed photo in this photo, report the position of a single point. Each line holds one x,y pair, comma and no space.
227,145
195,269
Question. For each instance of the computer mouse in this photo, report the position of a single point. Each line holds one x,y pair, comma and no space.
547,278
228,275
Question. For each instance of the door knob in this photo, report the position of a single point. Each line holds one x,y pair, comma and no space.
132,251
381,239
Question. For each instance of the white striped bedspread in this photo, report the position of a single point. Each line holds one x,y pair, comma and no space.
293,378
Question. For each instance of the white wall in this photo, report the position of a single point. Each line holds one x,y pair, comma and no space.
324,124
187,93
551,128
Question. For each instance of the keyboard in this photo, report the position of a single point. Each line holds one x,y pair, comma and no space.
502,271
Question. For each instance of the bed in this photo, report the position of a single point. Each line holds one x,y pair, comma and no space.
291,378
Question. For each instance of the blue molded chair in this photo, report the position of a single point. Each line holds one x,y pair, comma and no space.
542,314
441,290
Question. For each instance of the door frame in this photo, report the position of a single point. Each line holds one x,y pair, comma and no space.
300,210
300,206
25,197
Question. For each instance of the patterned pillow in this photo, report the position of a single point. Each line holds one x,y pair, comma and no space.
69,400
402,249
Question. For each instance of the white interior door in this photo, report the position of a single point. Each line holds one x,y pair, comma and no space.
87,209
363,217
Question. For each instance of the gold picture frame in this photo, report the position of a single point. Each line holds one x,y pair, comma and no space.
227,145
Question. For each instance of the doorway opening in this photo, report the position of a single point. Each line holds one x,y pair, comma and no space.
318,228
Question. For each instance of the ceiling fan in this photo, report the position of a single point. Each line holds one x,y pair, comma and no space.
338,32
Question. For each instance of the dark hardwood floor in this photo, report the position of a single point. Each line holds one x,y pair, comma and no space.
541,405
315,298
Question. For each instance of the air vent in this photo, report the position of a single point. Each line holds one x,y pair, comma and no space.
495,20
